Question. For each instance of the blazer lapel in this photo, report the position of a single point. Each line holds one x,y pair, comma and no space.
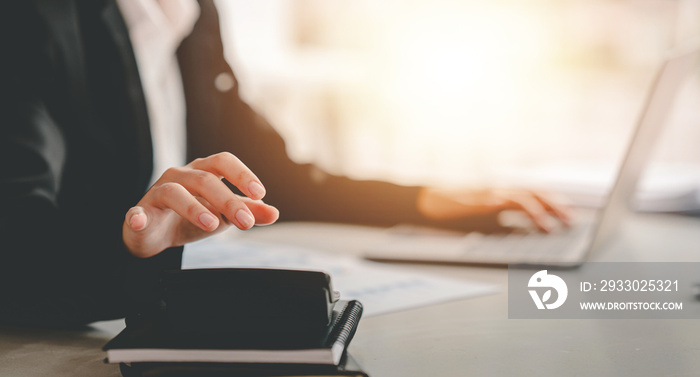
112,18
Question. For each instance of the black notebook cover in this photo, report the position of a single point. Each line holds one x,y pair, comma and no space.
347,367
150,341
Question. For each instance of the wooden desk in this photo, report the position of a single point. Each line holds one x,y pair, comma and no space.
461,338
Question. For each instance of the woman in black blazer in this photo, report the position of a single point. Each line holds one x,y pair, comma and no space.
82,236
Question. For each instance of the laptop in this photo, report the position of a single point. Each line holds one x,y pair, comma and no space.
570,246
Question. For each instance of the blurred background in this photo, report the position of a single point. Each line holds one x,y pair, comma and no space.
467,92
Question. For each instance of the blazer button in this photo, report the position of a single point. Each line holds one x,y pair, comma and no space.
224,82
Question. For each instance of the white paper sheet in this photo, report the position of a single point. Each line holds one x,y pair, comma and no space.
381,288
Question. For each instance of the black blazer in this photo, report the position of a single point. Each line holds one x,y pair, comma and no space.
76,155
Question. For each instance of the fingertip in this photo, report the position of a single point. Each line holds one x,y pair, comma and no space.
138,220
269,218
244,219
542,223
563,216
208,222
566,220
256,190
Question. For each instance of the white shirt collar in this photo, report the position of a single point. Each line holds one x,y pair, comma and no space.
156,29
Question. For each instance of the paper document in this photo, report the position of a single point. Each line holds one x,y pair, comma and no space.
380,287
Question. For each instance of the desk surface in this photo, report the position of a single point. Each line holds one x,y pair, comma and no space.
461,338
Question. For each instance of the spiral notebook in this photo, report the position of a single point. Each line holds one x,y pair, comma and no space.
151,342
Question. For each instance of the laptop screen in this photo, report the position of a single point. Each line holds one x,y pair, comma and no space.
676,67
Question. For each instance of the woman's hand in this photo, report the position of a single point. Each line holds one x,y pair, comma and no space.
192,202
444,204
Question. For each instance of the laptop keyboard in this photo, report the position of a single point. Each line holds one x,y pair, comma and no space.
528,245
565,245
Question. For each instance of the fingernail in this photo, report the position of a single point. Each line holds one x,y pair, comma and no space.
138,221
244,218
207,220
256,189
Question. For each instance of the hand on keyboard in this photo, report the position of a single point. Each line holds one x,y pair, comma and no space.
449,204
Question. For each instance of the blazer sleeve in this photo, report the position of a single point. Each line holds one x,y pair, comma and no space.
222,121
303,192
